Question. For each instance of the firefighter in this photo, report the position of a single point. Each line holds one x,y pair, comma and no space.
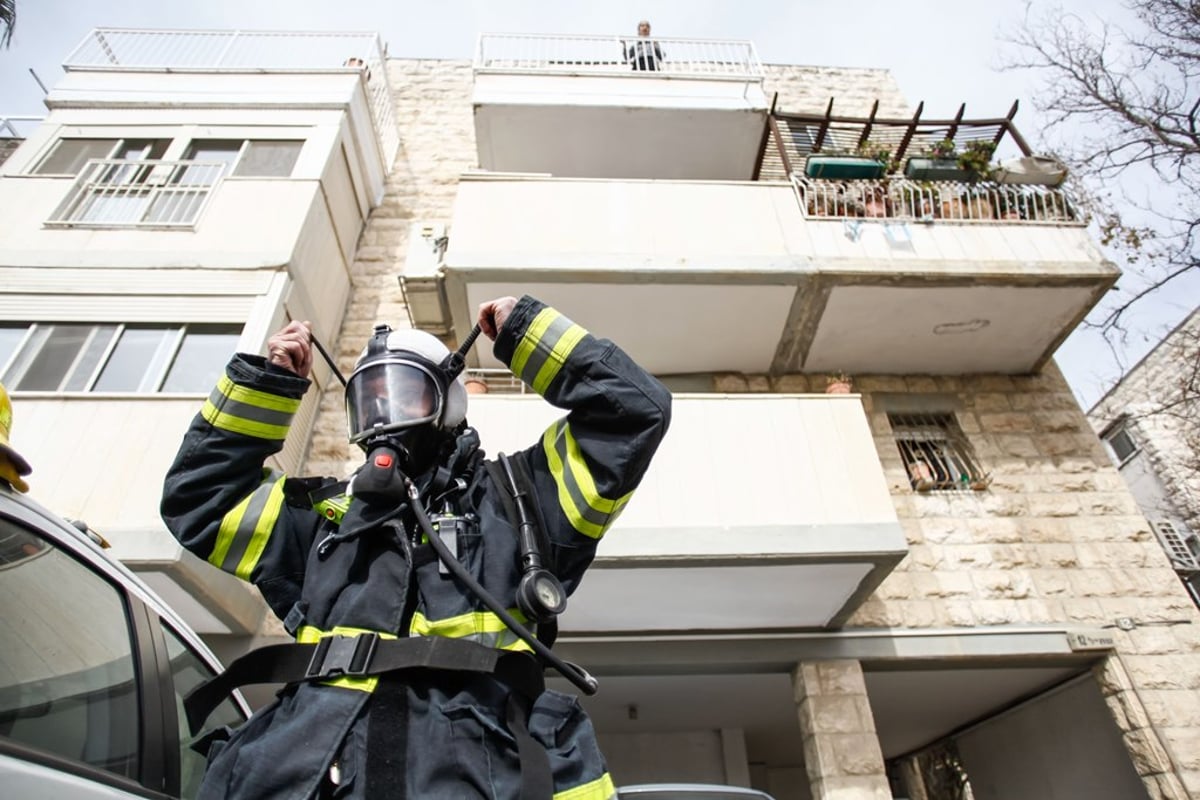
12,465
414,590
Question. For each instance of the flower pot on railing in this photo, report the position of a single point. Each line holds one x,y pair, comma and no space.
844,168
1031,171
920,168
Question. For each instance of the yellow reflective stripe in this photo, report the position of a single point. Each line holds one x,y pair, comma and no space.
585,508
310,635
481,627
244,531
600,789
529,341
249,411
557,357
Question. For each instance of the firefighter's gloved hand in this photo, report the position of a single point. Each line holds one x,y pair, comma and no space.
493,314
291,348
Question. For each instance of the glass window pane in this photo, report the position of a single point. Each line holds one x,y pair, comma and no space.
131,361
273,159
67,679
224,151
108,205
93,351
10,339
1122,444
188,671
49,357
202,357
69,155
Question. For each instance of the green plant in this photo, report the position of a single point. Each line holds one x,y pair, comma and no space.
877,151
943,149
976,158
837,377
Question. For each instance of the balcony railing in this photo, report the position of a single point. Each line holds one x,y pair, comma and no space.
928,201
13,127
246,51
609,55
112,193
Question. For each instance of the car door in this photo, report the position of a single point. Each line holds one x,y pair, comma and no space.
91,678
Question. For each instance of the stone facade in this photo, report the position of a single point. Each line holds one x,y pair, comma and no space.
1159,401
1056,539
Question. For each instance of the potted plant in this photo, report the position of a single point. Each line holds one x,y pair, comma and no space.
873,160
838,383
937,162
976,159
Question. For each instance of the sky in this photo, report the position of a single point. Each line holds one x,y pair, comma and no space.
942,52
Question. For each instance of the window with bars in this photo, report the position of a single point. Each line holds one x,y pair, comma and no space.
1183,547
936,453
114,357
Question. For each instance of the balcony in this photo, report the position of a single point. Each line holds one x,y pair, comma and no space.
574,106
775,504
259,71
704,276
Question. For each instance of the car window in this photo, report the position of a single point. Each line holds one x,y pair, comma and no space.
67,680
188,670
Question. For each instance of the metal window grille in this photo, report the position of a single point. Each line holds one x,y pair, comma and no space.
936,454
1182,548
113,193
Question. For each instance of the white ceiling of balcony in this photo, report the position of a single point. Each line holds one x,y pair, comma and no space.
740,325
618,127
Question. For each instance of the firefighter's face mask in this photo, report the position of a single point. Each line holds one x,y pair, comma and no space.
389,396
401,392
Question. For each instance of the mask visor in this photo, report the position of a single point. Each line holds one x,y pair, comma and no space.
389,396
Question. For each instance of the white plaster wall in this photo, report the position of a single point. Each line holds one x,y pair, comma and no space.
1062,746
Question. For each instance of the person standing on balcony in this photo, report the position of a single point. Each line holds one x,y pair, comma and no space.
408,590
644,53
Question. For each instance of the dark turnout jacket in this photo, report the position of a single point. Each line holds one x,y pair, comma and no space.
336,566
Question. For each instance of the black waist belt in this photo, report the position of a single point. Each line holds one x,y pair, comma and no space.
362,655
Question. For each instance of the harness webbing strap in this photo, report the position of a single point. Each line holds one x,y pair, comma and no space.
537,780
365,654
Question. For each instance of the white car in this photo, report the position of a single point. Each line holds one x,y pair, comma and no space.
93,670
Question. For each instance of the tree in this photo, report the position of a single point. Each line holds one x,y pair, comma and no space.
8,20
1131,99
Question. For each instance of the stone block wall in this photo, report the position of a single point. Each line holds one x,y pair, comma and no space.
1160,399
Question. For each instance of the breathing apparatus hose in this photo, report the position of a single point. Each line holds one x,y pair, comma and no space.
578,676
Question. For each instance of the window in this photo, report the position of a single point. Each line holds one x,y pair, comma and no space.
254,158
188,671
936,454
67,680
69,155
1182,548
63,357
1120,442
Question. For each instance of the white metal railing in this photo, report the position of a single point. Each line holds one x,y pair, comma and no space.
13,127
622,55
243,51
113,193
496,381
929,201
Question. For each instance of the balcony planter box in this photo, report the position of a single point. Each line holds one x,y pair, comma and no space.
1031,171
844,168
936,169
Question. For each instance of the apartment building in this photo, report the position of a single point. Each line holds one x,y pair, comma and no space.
939,577
1149,423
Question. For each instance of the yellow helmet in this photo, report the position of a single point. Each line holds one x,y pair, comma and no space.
12,464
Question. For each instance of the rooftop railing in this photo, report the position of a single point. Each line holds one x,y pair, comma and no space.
246,51
113,193
14,127
618,55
